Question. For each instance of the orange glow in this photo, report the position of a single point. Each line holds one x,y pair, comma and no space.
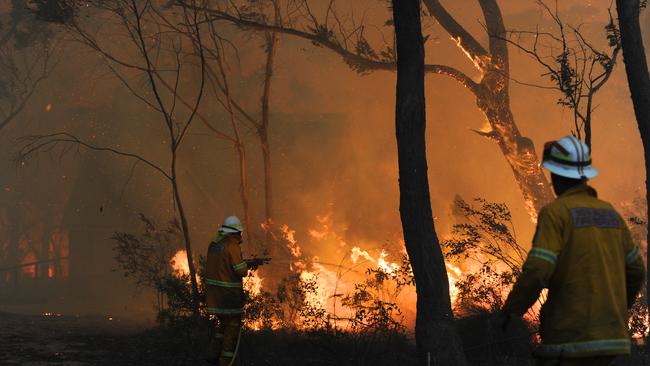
253,284
179,263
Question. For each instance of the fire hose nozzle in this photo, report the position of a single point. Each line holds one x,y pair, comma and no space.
253,263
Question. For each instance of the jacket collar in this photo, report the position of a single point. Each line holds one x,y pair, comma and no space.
580,189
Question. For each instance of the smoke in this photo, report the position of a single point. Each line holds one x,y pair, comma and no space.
332,140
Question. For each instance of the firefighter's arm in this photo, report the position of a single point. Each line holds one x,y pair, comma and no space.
634,270
238,264
538,267
530,283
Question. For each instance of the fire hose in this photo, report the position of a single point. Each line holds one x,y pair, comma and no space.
234,356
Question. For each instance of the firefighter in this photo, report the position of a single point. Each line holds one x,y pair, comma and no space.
224,290
584,254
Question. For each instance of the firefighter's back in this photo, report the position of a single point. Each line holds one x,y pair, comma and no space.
587,305
224,286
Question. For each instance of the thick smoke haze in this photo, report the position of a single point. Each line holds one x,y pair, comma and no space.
332,138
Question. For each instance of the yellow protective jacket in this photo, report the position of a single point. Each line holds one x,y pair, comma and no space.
584,254
224,271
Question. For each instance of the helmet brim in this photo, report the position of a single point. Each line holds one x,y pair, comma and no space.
229,230
570,172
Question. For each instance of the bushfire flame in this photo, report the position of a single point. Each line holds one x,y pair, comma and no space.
179,263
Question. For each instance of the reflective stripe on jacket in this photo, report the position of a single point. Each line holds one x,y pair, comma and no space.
584,254
224,271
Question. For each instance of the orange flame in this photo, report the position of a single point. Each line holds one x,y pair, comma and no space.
179,263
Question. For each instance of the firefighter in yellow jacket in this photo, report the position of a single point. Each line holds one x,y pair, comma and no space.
584,254
224,290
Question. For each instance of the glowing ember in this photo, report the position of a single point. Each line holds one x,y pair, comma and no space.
486,128
50,314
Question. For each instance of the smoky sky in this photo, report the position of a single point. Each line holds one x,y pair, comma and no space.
331,134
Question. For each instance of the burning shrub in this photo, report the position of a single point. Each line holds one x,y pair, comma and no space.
290,306
639,318
485,288
485,236
373,301
636,213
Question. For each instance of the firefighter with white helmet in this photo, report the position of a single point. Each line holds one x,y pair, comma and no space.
225,270
584,254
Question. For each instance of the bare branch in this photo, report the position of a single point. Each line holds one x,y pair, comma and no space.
356,61
42,143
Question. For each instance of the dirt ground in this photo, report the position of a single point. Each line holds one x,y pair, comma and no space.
33,340
53,339
76,341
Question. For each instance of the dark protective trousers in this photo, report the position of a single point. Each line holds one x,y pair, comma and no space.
225,343
585,361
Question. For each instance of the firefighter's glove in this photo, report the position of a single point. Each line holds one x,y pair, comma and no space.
252,265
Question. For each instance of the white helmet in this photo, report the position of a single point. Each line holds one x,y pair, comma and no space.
568,157
231,225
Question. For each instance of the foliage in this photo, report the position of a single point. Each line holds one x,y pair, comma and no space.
484,288
575,67
145,258
373,301
485,236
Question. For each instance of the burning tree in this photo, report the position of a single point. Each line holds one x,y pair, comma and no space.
325,25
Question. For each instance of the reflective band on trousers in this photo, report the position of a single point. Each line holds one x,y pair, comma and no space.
225,311
632,255
589,347
222,283
219,335
228,354
240,266
543,254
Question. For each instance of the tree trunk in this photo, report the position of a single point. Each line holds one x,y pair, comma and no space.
186,236
263,131
437,340
268,184
636,67
243,191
